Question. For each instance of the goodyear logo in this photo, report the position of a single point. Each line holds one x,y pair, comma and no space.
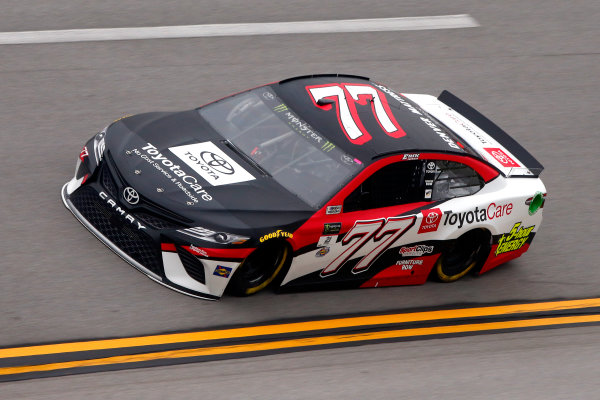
515,239
277,234
223,271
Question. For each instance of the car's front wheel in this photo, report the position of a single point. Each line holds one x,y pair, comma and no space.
260,268
462,256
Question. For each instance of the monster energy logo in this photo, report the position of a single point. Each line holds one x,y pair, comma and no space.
280,108
328,146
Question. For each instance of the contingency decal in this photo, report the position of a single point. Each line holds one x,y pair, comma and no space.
501,157
223,271
211,163
277,234
346,96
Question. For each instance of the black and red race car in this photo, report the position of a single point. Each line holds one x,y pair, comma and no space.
317,181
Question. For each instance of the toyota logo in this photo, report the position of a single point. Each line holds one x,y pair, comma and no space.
217,162
431,165
130,195
431,218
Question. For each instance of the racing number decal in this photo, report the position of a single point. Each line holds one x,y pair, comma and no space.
345,96
363,231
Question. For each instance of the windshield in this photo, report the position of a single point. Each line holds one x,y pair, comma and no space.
260,125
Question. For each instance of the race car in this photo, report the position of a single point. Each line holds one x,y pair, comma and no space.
320,181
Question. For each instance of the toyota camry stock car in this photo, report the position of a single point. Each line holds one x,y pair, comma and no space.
321,181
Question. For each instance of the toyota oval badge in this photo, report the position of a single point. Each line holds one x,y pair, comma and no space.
130,195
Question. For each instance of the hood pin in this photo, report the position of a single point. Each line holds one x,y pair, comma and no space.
137,172
160,190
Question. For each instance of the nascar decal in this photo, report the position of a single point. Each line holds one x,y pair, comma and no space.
515,239
346,96
211,163
383,232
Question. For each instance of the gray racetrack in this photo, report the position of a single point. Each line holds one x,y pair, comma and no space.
532,67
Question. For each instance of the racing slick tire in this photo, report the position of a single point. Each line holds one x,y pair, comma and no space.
464,255
260,268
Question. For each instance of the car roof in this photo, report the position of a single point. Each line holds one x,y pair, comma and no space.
418,131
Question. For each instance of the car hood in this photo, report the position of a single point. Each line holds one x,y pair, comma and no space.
178,162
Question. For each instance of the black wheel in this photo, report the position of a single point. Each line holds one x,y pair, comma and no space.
462,256
259,269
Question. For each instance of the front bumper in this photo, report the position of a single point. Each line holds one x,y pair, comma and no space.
139,249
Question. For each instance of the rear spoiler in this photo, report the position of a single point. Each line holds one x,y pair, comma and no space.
493,130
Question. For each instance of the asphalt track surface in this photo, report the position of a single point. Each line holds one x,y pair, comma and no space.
532,67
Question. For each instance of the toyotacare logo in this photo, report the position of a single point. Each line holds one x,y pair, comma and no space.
431,220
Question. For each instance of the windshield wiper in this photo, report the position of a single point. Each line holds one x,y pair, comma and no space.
240,153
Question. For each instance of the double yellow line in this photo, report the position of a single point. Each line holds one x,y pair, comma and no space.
126,348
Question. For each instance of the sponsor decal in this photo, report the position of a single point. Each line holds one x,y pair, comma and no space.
398,98
322,251
333,210
188,184
431,220
198,251
407,265
280,108
327,146
428,182
326,240
84,153
513,240
411,157
416,251
277,234
466,127
268,95
130,195
428,193
430,166
440,132
501,157
346,159
221,270
211,163
332,228
492,211
113,204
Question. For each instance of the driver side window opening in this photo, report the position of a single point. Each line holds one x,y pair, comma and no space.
394,184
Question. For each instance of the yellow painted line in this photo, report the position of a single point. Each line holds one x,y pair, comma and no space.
305,342
274,329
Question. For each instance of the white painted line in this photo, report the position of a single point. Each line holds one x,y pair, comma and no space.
267,28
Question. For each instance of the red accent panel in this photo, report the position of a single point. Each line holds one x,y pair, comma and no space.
222,253
395,275
493,261
167,247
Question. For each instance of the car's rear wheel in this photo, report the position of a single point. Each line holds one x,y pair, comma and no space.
260,268
463,255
